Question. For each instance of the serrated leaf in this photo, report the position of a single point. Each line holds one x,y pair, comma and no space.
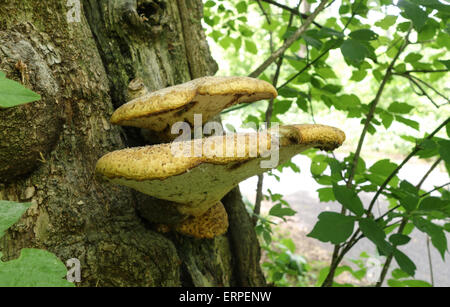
333,227
13,94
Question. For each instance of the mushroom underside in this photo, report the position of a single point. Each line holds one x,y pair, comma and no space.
198,188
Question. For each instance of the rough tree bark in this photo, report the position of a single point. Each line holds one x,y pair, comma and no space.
48,149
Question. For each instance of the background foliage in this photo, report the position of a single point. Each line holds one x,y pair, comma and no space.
380,70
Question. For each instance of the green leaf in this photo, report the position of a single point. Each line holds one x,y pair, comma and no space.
318,167
433,204
34,268
288,92
251,47
281,106
302,103
14,94
413,57
333,227
358,75
326,194
414,13
400,107
241,7
444,150
10,212
209,3
354,52
386,119
409,202
2,75
326,73
429,148
316,43
386,22
405,263
281,212
383,167
364,35
436,233
376,234
408,122
399,239
349,199
434,4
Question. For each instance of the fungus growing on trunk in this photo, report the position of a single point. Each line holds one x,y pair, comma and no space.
196,174
159,110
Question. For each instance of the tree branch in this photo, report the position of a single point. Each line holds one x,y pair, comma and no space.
337,253
289,41
291,10
413,152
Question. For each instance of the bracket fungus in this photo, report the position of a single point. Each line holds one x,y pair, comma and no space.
159,110
196,174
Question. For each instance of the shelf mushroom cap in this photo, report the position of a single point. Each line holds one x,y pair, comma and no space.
159,110
209,168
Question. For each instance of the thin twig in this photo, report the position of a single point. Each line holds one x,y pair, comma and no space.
435,189
435,164
430,263
292,11
388,261
426,71
268,116
323,52
289,41
422,91
431,88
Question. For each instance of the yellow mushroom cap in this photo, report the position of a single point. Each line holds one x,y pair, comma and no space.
210,169
214,222
208,96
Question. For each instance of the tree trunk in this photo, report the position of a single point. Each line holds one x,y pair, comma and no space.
81,58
